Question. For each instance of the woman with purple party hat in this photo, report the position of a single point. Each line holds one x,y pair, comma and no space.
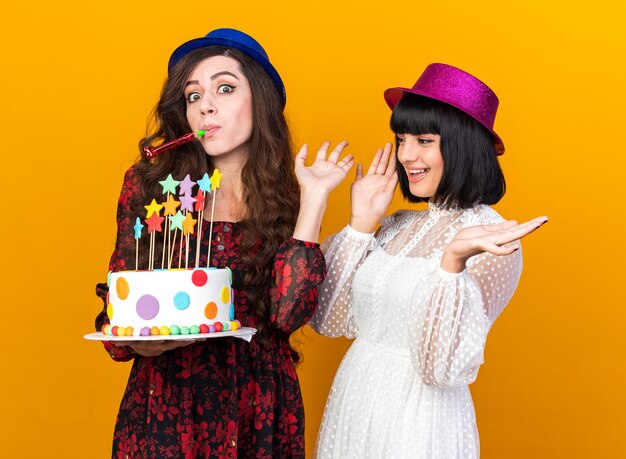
421,293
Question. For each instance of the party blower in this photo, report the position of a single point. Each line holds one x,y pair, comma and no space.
153,152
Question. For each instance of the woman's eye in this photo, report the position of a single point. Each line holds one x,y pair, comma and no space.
424,141
225,89
399,140
193,97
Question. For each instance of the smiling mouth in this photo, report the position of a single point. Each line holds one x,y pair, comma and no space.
415,175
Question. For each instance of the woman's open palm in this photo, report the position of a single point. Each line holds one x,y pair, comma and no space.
371,194
498,239
325,174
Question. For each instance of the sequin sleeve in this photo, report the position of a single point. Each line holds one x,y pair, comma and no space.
455,313
344,253
124,247
299,268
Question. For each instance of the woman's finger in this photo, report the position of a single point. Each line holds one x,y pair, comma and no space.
301,156
391,168
502,226
336,153
346,167
375,161
348,158
539,220
502,249
321,153
517,232
383,163
528,227
359,171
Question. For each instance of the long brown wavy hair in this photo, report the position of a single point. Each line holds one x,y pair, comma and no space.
271,210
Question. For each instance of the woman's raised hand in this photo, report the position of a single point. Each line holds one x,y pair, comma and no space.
316,182
325,174
371,194
498,239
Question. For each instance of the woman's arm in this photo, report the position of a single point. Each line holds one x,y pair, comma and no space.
456,309
344,253
124,245
299,265
455,315
316,183
123,259
299,268
370,196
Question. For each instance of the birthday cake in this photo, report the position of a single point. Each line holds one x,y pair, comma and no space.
170,302
173,294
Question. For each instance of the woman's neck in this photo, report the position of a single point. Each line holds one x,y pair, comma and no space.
229,205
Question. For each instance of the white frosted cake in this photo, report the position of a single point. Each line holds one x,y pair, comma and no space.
170,302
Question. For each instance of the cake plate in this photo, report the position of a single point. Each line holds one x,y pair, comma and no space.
244,333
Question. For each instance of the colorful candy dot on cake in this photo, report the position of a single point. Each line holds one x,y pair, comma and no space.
231,312
164,330
129,331
184,330
225,294
204,328
199,277
210,310
212,328
218,326
174,329
107,298
109,279
107,330
147,307
122,288
114,330
234,325
154,331
110,311
230,275
181,300
145,331
194,329
226,326
121,331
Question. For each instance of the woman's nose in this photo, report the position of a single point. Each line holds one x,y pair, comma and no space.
407,151
207,105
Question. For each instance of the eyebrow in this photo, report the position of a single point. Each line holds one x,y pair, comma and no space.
213,77
219,74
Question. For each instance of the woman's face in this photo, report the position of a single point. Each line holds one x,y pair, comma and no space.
420,155
219,101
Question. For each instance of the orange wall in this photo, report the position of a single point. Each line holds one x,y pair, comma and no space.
78,81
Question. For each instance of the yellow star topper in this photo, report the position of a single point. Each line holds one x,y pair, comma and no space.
153,208
216,178
188,224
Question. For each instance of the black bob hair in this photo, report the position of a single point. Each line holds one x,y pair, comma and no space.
471,172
